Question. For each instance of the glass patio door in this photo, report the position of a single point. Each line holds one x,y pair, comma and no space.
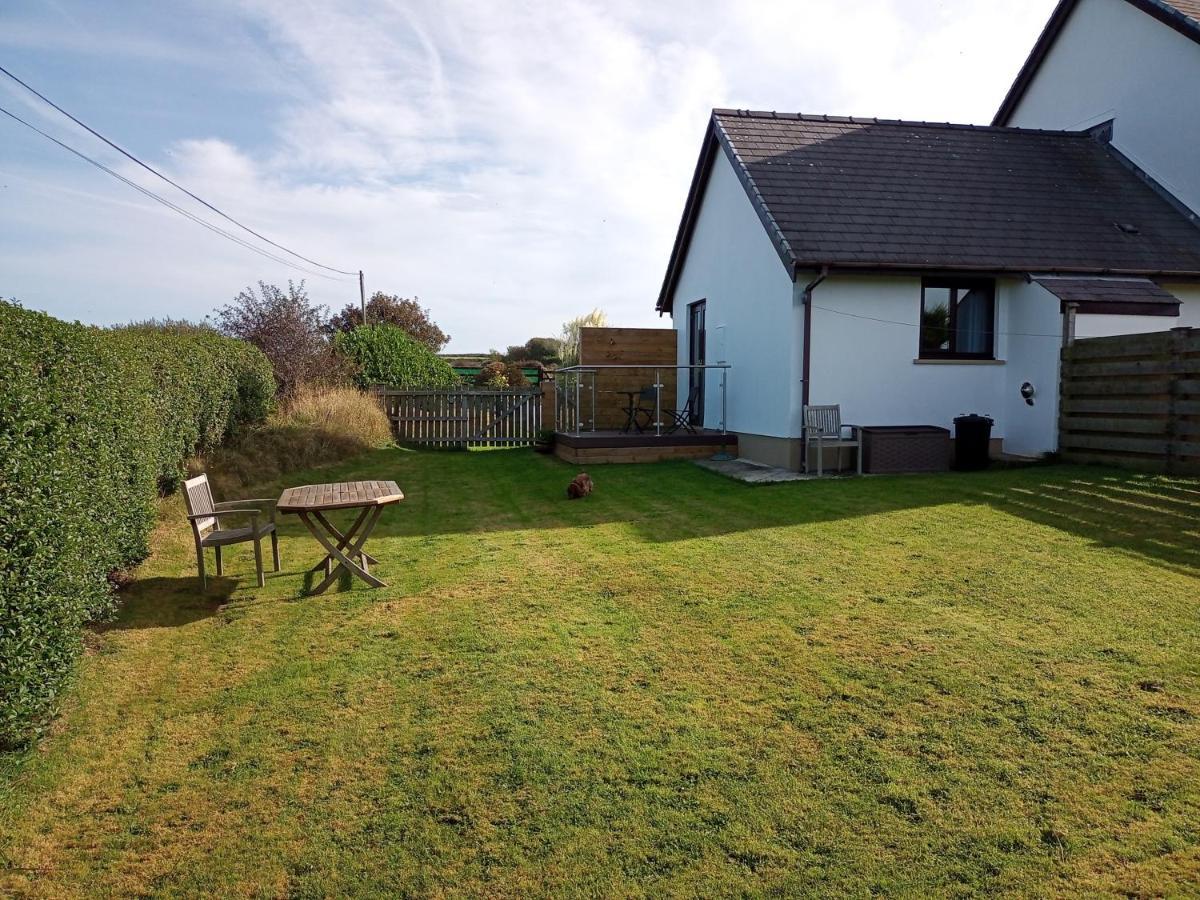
696,358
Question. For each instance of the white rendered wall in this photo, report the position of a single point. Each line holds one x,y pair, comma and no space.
751,320
1113,61
1030,316
1103,326
868,366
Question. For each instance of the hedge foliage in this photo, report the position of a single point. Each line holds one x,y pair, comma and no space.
205,386
385,354
93,423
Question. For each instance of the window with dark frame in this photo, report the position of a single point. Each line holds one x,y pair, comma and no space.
958,318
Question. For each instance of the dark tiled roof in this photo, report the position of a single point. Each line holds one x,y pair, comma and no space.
1120,296
873,194
1181,15
878,194
910,194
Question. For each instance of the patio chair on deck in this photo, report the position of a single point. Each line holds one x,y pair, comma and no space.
637,408
823,428
208,525
682,418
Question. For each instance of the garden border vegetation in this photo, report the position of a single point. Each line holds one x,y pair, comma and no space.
94,425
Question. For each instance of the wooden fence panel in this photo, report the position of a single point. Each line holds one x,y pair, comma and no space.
464,417
1133,400
653,350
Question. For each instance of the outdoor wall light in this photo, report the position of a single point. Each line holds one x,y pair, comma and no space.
1028,392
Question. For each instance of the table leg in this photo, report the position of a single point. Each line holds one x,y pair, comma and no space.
342,539
345,560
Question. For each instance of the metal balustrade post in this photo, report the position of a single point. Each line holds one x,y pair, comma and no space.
657,403
723,406
593,401
578,402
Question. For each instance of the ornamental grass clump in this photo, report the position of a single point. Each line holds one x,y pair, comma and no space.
317,425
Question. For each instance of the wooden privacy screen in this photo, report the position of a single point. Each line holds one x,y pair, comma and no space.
643,347
1133,400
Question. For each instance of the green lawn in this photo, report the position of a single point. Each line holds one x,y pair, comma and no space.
913,686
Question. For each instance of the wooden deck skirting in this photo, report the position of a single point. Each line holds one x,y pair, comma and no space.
593,448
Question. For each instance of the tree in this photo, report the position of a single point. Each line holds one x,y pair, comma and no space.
287,327
386,354
388,309
571,331
544,350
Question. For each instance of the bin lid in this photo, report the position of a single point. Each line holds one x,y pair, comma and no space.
972,417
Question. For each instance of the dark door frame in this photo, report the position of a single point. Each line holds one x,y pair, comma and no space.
697,339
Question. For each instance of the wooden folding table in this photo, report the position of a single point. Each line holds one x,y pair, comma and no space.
311,501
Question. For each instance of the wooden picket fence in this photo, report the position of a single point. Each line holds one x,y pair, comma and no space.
464,417
1133,400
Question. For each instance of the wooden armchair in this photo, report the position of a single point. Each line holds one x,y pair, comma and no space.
208,525
823,428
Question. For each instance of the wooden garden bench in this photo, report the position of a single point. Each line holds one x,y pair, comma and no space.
823,427
208,525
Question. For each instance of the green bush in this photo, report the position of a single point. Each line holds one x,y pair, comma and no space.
385,354
92,423
206,385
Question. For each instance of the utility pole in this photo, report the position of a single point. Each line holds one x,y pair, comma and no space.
362,296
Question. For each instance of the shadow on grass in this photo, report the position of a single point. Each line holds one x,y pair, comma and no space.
1151,517
169,603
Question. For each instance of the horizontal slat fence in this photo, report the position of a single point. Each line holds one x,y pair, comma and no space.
464,417
1133,400
647,348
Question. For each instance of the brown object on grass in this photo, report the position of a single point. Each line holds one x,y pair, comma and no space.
580,486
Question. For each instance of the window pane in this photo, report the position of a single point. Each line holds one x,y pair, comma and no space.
935,319
973,322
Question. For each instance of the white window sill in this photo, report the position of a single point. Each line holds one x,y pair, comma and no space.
958,362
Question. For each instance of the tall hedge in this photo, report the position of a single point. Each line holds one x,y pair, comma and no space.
205,385
92,424
385,354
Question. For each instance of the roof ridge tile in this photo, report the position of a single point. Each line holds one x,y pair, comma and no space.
769,115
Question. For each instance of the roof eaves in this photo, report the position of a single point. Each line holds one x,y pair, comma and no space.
786,255
1024,270
1178,205
687,220
1163,12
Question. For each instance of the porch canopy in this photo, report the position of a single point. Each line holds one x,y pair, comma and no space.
1112,296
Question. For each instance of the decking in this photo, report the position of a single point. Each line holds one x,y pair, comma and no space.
594,447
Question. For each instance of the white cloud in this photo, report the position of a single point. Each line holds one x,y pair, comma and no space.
513,164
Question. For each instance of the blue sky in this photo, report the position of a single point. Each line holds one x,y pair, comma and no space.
512,164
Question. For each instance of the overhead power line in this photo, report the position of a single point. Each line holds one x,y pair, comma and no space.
165,202
839,312
175,184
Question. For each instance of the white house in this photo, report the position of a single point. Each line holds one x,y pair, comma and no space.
911,272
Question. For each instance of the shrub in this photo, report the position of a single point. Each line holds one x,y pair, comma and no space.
287,327
544,350
318,425
498,374
388,309
85,439
385,354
